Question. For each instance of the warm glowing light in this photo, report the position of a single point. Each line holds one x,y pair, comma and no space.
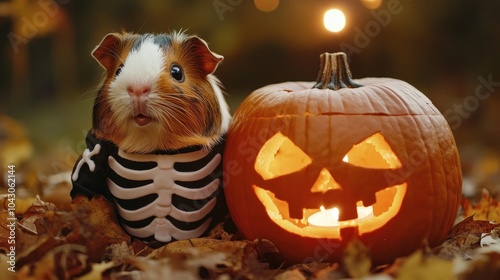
280,156
334,20
335,213
266,5
330,217
346,158
372,4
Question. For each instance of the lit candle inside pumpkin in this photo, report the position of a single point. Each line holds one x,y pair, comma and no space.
330,217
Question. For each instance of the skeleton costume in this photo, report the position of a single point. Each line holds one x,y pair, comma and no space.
163,196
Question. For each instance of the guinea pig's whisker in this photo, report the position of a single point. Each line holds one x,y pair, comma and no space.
172,117
181,97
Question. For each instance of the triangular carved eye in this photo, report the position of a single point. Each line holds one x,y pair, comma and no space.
280,156
373,152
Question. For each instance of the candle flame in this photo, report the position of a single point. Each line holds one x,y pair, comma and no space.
346,158
335,213
330,216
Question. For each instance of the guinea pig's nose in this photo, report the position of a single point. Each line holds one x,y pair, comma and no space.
138,90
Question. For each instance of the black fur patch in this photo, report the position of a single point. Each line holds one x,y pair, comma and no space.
161,40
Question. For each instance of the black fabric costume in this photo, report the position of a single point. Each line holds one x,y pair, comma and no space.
160,196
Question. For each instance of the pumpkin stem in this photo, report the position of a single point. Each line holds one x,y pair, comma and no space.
334,72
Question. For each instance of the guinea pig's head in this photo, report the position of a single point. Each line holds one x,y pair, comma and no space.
158,92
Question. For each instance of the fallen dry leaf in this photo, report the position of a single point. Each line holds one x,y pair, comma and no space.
224,231
86,242
255,260
234,248
4,231
232,252
62,262
37,210
318,269
200,265
93,224
117,252
140,248
464,238
267,252
490,239
32,237
485,264
420,266
195,258
190,259
90,224
332,271
292,274
356,259
22,203
486,209
96,271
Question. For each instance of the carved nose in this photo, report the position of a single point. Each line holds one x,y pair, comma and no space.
138,90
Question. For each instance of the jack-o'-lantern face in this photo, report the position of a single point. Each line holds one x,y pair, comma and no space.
304,197
373,153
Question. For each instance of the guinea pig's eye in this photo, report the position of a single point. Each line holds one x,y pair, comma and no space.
177,73
119,70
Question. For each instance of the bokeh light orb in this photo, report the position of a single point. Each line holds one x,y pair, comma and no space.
334,20
266,5
372,4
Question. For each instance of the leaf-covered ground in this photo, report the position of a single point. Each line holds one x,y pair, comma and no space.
85,242
59,239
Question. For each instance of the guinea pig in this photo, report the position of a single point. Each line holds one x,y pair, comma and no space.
158,92
156,143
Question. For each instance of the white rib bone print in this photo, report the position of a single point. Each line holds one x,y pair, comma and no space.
164,177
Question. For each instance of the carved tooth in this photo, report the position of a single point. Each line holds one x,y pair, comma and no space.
369,200
348,213
295,212
349,233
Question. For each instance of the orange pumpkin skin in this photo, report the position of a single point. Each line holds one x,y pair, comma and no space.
325,124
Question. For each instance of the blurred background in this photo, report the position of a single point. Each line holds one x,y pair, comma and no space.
448,49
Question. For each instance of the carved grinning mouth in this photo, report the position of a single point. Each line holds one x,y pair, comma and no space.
391,200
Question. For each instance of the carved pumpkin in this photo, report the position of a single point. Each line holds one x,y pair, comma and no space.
311,166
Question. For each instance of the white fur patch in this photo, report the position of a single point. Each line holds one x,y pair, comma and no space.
224,108
142,67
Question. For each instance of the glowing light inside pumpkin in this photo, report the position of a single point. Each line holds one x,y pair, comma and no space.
280,156
330,217
334,20
346,158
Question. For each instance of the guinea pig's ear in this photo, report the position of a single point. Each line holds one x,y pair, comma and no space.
106,52
199,49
